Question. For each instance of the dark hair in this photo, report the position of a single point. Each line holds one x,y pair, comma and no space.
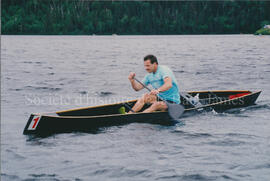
152,59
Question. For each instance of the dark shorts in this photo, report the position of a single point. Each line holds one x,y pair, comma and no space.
167,101
171,102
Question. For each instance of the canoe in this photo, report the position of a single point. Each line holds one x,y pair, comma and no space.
87,119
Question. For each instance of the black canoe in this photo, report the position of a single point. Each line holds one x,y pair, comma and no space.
90,118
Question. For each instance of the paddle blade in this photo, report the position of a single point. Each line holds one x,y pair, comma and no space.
175,110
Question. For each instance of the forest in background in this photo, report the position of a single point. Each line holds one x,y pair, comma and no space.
81,17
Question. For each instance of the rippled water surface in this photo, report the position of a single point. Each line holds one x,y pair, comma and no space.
51,73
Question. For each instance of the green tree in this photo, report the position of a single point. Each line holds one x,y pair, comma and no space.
132,17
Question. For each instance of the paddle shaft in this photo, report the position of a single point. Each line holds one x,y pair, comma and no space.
142,84
147,88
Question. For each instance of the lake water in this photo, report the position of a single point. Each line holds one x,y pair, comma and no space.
52,73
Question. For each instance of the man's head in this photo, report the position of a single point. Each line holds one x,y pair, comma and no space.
150,63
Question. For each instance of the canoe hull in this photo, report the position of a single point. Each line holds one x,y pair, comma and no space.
91,118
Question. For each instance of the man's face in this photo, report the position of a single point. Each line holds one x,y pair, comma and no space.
149,67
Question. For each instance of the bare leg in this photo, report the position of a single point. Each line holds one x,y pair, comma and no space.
138,105
146,98
157,106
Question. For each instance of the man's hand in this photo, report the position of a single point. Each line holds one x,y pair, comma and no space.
135,85
154,92
131,76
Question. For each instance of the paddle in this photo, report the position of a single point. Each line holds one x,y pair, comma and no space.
174,110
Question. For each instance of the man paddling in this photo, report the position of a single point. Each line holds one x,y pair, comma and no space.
162,80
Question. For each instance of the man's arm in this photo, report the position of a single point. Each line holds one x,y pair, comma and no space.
167,85
135,85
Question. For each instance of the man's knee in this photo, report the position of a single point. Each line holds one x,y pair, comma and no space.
145,98
142,98
148,98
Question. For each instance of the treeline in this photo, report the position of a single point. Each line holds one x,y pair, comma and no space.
81,17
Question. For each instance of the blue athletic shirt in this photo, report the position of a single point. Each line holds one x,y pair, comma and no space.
157,80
